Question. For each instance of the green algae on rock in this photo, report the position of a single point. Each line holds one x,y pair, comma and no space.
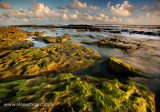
63,57
76,94
113,43
57,39
121,68
13,38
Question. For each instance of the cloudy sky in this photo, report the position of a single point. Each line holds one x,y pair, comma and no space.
145,12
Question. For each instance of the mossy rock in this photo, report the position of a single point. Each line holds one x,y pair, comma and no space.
113,43
53,30
12,38
121,68
57,39
65,57
68,93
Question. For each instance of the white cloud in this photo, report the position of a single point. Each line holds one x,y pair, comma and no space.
63,13
40,12
155,8
79,5
148,14
73,16
93,7
108,5
98,18
37,11
144,7
157,13
5,5
122,10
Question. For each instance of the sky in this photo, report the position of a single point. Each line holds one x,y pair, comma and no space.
44,12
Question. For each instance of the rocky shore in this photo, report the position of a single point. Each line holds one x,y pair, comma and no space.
44,75
115,43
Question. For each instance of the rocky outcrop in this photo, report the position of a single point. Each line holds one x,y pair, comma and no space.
65,57
13,38
114,43
57,39
120,68
67,93
83,28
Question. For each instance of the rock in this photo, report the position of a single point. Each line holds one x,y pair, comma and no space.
12,38
89,43
38,33
121,68
78,36
53,30
37,26
114,39
96,29
65,57
56,39
49,39
113,43
115,31
67,93
35,33
92,36
80,30
125,30
106,43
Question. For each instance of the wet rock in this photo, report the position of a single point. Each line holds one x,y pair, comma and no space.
80,30
65,57
114,39
121,68
13,38
53,30
148,33
95,36
79,36
107,43
35,33
96,29
90,43
125,30
57,39
115,31
66,92
113,43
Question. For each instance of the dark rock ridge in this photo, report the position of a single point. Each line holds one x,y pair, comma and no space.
37,26
141,32
85,27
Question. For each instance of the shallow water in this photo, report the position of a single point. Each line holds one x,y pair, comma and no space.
147,58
